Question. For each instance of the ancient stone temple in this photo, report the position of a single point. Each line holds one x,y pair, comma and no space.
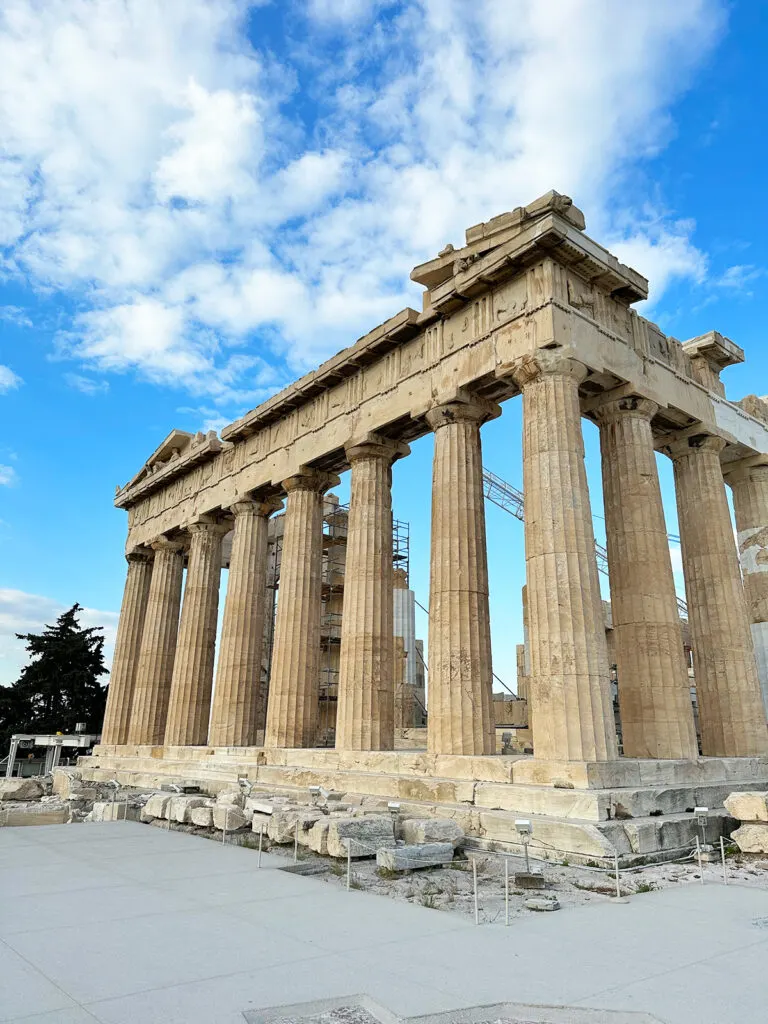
531,306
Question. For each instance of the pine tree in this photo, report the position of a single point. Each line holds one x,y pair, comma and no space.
60,686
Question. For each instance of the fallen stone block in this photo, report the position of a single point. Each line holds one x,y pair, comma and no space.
65,781
410,858
282,824
530,880
13,815
751,838
180,807
317,836
366,835
228,817
230,799
155,807
202,816
747,806
541,903
20,789
431,830
258,805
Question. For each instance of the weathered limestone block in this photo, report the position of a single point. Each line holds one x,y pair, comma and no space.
541,903
202,816
20,789
112,810
260,822
231,799
155,807
65,781
409,858
228,817
432,830
365,835
282,823
751,838
180,807
259,805
317,836
747,806
36,814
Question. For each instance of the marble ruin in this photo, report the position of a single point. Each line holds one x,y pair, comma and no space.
530,306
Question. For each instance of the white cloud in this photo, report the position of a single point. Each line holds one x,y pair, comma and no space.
21,612
15,315
8,476
155,168
739,278
8,379
86,385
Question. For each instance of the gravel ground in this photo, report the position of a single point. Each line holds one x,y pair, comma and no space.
450,889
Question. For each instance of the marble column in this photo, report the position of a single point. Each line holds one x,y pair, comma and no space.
570,698
125,661
654,690
190,701
731,714
234,714
294,678
460,681
365,710
749,484
158,645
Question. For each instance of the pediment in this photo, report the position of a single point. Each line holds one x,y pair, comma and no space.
177,453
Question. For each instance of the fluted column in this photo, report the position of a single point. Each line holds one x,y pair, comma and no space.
731,714
158,645
125,661
654,690
190,701
238,671
460,681
365,711
294,678
749,484
570,700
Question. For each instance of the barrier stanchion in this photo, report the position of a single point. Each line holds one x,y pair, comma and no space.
261,841
474,886
296,843
722,858
698,858
506,891
616,868
349,864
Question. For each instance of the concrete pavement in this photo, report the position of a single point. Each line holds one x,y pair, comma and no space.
121,922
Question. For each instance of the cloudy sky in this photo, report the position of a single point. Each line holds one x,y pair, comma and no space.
201,199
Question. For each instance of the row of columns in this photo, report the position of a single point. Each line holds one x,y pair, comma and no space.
162,675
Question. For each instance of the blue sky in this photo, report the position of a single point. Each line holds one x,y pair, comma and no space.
201,199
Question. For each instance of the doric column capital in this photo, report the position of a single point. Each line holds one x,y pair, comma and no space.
545,361
462,406
209,526
607,409
373,446
139,555
308,479
680,447
165,544
752,469
255,507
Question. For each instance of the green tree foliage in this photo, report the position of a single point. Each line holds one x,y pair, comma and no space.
60,685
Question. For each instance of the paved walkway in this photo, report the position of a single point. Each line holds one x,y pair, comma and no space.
127,924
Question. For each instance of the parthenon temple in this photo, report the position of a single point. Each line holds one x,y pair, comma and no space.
530,306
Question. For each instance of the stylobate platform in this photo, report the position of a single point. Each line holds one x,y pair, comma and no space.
632,807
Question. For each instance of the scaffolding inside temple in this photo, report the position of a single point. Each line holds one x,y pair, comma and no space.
335,522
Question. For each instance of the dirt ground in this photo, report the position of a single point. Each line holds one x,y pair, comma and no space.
451,888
